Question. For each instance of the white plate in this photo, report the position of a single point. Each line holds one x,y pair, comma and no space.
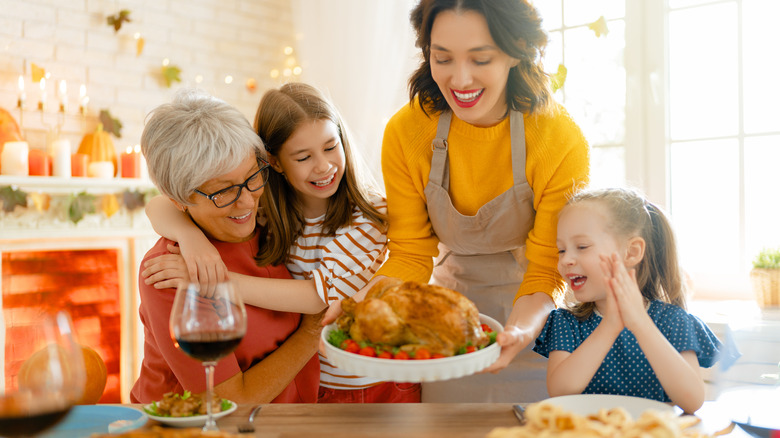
429,370
194,421
585,404
754,406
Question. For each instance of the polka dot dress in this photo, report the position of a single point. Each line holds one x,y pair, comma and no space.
625,370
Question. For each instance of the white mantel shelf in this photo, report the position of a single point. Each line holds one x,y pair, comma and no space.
52,224
59,185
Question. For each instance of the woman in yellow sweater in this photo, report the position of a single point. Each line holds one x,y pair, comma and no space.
476,169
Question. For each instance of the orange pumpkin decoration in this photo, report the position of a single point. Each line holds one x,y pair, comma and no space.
34,369
9,129
99,146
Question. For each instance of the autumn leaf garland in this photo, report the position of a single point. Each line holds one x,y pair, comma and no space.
78,205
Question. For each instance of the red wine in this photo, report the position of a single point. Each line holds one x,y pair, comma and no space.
208,347
30,424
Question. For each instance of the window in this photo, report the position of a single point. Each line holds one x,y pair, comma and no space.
679,99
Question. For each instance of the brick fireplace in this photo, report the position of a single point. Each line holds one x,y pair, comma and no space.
83,282
90,269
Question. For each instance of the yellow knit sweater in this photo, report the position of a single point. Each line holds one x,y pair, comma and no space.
557,162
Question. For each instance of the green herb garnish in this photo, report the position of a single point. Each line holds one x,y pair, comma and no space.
336,337
225,405
153,408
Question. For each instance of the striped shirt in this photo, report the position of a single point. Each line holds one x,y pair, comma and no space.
340,266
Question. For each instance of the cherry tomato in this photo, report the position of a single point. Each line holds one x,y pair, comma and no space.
486,328
350,346
422,354
367,351
470,349
401,355
385,355
437,356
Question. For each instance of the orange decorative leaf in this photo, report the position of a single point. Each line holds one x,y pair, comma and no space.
139,46
38,73
109,205
41,201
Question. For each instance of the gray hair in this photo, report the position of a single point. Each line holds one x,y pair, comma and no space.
193,139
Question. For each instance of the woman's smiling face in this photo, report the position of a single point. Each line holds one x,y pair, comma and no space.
235,222
469,68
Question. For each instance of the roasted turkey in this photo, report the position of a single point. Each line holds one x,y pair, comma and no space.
411,316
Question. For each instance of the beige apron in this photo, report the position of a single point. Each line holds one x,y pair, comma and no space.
482,256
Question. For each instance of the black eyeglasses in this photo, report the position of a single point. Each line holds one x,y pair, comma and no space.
228,195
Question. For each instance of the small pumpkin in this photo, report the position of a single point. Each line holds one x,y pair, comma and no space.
99,146
9,129
34,370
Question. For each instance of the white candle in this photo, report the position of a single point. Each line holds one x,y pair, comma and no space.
61,158
14,159
101,169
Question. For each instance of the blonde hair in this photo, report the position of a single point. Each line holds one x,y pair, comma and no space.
630,214
279,115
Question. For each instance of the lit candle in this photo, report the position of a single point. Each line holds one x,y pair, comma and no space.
15,159
22,95
83,99
42,102
63,96
38,162
61,155
131,163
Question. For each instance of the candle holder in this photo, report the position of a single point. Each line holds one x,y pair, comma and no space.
56,118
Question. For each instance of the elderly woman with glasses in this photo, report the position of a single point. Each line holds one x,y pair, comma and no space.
204,155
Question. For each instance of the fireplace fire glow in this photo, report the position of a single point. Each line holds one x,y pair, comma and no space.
86,283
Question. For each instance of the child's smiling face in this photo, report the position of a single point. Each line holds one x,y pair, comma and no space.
313,163
584,235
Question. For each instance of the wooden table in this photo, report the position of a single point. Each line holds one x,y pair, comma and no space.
448,420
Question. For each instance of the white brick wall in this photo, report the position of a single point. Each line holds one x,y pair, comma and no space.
71,40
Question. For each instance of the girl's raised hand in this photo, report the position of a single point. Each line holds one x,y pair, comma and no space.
611,314
204,264
622,283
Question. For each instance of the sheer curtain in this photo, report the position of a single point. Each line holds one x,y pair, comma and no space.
360,53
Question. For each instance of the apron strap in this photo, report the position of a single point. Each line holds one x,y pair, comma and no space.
517,135
440,174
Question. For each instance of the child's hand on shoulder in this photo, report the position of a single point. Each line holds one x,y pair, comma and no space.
204,263
622,284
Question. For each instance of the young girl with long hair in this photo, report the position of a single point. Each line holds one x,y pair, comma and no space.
628,331
323,222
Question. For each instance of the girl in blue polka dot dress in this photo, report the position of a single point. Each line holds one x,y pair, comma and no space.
628,333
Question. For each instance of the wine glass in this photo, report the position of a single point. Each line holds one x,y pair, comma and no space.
50,380
207,328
